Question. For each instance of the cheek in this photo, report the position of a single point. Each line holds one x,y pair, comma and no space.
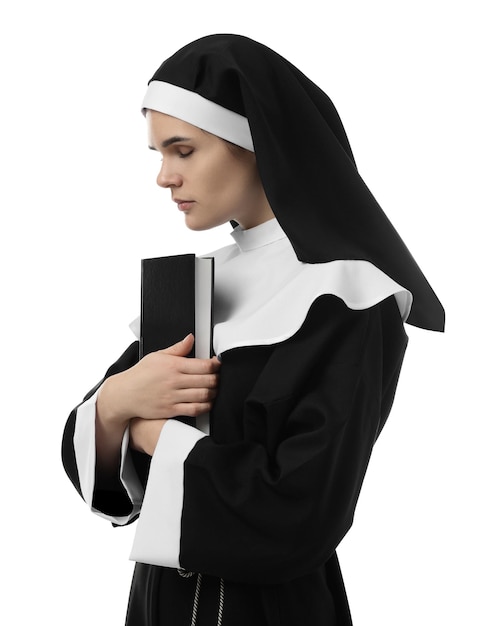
220,181
245,181
226,180
209,175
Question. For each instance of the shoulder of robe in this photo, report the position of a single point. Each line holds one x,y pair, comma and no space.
280,315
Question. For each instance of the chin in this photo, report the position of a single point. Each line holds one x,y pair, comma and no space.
198,225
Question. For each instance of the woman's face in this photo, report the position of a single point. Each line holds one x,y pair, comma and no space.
211,183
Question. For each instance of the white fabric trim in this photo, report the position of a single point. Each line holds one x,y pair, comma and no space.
158,534
135,327
85,456
263,293
129,476
194,109
84,444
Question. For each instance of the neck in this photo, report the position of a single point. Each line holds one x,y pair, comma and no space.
262,213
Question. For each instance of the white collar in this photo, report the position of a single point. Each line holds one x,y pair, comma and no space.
263,292
258,236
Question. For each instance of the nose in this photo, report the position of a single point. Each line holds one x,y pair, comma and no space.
167,177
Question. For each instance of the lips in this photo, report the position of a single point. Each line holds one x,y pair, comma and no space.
183,205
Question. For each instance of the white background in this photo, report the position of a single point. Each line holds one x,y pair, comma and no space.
80,209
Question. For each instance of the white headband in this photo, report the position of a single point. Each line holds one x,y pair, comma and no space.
198,111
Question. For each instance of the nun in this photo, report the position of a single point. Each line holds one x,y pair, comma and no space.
239,527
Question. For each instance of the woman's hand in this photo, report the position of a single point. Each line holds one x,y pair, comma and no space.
144,434
163,384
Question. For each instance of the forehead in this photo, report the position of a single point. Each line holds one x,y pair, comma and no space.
160,124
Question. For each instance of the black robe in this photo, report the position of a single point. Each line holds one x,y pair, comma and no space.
271,492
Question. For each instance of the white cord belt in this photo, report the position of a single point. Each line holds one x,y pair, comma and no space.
221,597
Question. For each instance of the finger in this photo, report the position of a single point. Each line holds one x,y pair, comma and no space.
190,396
216,363
181,348
197,381
199,366
193,409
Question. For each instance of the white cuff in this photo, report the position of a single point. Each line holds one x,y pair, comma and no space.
85,456
128,475
158,534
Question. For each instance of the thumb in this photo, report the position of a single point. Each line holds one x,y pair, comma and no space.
181,348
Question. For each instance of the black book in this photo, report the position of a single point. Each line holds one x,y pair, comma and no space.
177,299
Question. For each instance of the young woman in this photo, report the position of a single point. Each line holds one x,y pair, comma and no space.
240,526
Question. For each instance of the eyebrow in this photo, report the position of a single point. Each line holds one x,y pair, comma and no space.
170,141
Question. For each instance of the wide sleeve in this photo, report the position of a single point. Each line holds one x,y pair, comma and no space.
120,500
275,505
